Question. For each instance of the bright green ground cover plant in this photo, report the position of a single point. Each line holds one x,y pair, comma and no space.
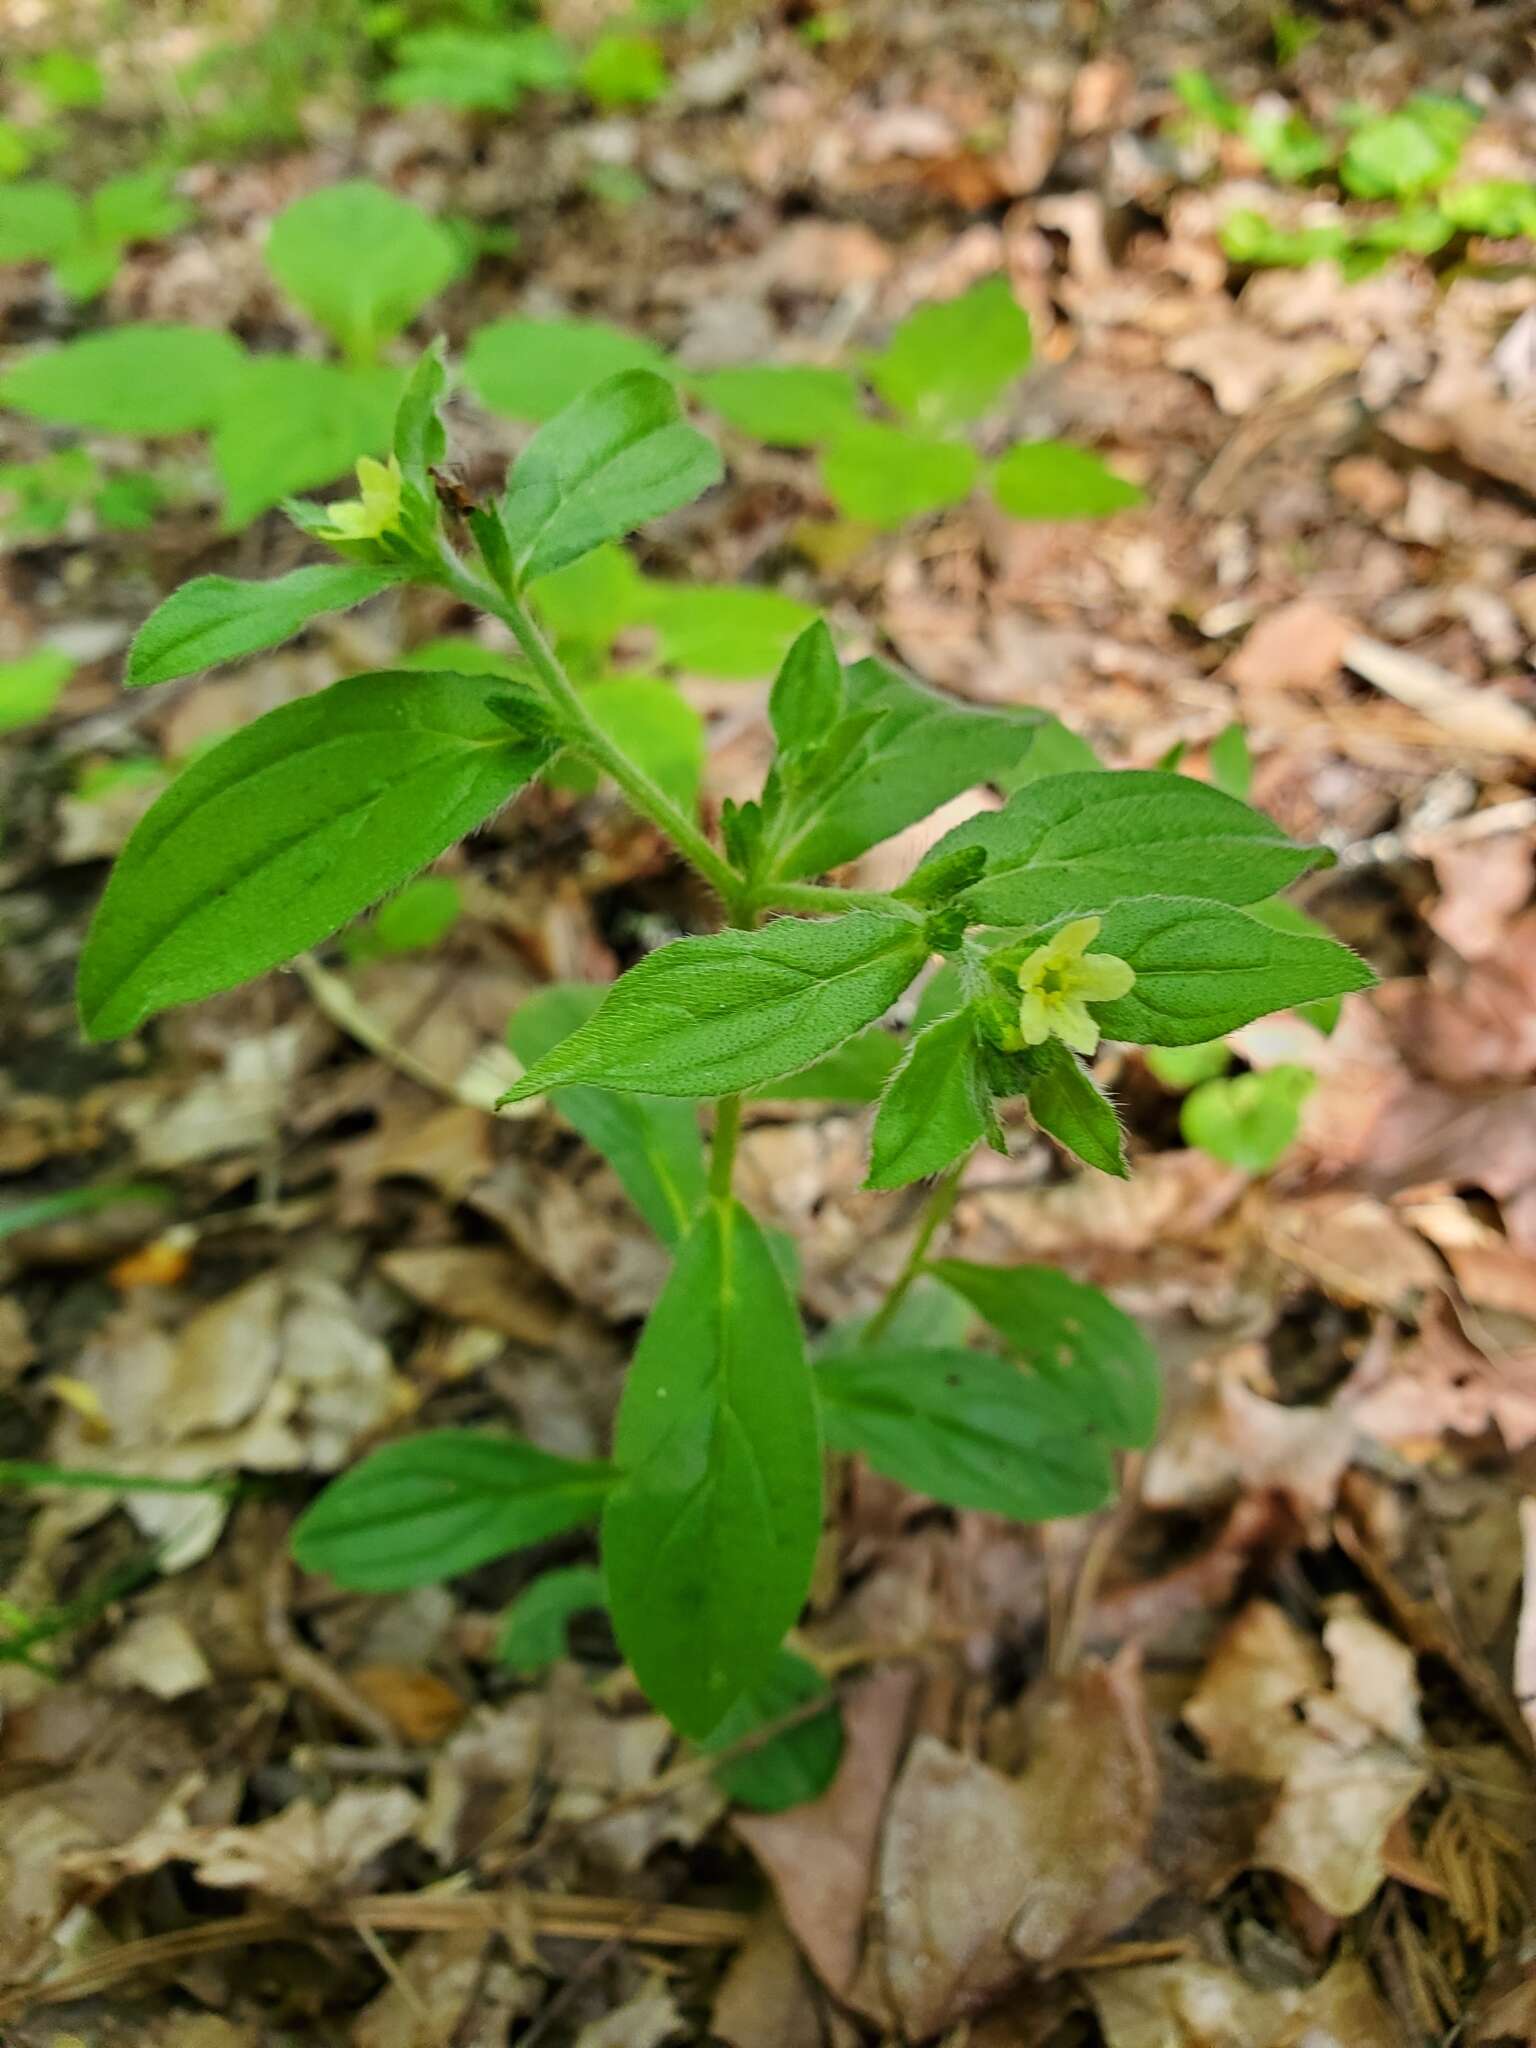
1092,905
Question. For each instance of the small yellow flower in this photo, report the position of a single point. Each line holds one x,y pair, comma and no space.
376,511
1061,979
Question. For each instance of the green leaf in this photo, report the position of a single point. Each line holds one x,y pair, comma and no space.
1203,969
453,67
140,207
31,685
38,220
1288,146
1250,1120
620,454
532,369
734,631
929,1318
807,693
1068,1105
1286,916
711,1016
623,71
1209,102
1398,155
855,1072
1501,207
218,618
710,1537
66,80
788,405
912,750
360,262
591,600
1054,480
1092,1361
420,442
885,476
948,363
424,912
1057,750
439,1504
652,1143
139,379
793,1766
966,1428
936,1107
532,1633
1184,1066
1231,762
291,425
1249,237
284,831
1078,842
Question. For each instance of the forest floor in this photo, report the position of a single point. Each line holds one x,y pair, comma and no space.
1249,1760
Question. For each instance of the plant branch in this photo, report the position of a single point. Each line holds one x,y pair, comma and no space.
647,797
819,896
946,1190
722,1155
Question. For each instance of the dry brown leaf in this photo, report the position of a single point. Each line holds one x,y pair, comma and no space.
1442,1384
821,1857
1483,883
305,1854
420,1706
1225,1439
482,1781
1243,1707
446,1988
156,1653
1523,1677
481,1284
767,1999
1357,1249
1191,2004
644,2021
597,1760
1298,647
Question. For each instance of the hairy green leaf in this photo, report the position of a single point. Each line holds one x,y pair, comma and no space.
887,475
1079,842
1066,1103
1203,969
218,618
710,1016
440,1504
936,1107
1055,480
853,1072
532,369
807,693
911,751
274,838
420,442
948,363
360,261
966,1428
651,1142
618,455
789,405
139,379
709,1539
793,1766
1086,1355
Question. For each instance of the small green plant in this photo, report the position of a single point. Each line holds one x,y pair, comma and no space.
1092,904
1401,161
944,367
84,240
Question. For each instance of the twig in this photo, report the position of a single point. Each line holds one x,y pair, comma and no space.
1102,1546
307,1672
1480,718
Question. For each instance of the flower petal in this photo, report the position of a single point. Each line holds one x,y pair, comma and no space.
1075,938
1035,1019
1101,977
1075,1027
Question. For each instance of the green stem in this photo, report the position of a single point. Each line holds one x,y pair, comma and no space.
819,896
946,1190
19,1472
722,1154
648,798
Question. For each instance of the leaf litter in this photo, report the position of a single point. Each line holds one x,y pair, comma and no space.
1247,1761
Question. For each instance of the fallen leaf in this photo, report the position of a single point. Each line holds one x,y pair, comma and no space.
446,1988
1298,647
420,1706
767,1999
1191,2004
306,1853
644,2021
155,1653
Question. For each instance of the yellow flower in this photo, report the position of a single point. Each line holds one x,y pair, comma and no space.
376,511
1061,979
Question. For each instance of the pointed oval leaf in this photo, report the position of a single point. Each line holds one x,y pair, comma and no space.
936,1107
219,618
947,363
1055,480
277,836
709,1538
1088,1357
966,1428
807,692
618,455
790,405
1079,842
795,1765
532,369
885,475
651,1142
292,425
1065,1102
1203,969
532,1634
710,1016
440,1504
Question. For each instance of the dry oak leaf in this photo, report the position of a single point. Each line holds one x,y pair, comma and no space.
1192,2004
306,1853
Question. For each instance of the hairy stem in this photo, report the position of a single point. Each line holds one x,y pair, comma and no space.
647,798
819,896
946,1190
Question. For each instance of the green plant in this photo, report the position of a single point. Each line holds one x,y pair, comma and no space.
944,367
1401,160
1091,903
84,239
